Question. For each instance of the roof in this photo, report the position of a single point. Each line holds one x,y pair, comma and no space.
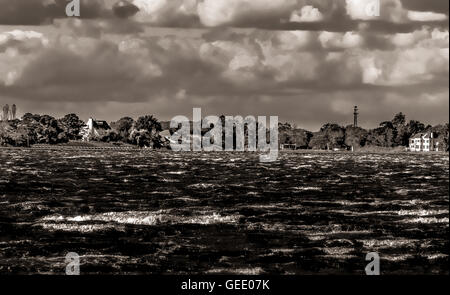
100,124
421,135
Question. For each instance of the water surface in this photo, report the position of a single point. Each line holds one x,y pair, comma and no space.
188,213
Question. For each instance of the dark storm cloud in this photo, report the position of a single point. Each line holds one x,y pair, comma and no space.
439,6
318,15
36,12
125,9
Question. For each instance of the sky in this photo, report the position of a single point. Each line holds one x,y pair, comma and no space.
307,61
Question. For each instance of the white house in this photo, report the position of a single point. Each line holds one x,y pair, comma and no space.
93,128
423,142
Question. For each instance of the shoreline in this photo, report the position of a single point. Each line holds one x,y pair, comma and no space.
62,147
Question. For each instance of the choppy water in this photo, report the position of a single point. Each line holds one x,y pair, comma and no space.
163,212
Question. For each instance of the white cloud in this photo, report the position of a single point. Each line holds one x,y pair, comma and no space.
371,73
222,12
307,14
296,40
162,12
363,9
409,39
19,35
11,77
424,16
387,10
333,40
424,38
412,66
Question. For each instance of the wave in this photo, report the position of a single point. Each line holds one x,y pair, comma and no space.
149,218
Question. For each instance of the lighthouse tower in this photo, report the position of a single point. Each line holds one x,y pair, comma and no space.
355,117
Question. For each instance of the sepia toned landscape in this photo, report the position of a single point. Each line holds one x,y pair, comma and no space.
134,141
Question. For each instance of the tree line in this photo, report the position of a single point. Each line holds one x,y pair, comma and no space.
45,129
145,132
389,134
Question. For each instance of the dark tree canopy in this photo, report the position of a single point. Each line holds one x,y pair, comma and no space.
144,132
123,128
148,123
72,126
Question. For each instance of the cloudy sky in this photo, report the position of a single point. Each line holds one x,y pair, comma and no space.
307,61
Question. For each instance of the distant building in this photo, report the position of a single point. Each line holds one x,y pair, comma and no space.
355,116
423,142
94,128
13,112
8,113
5,116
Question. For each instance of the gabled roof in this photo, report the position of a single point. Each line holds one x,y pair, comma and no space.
421,135
100,124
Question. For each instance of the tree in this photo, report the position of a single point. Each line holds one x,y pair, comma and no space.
415,127
145,132
399,120
387,124
109,135
441,136
72,125
148,123
284,127
123,127
30,117
447,137
401,136
37,129
289,135
330,136
49,133
382,136
44,129
13,135
355,137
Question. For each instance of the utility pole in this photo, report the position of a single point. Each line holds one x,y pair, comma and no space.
355,117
